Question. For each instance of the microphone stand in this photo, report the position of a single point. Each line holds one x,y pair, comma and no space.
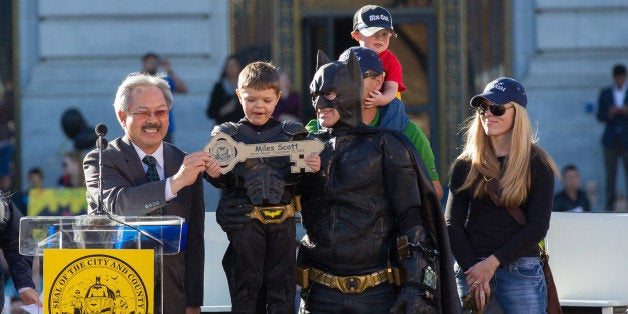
99,208
101,143
101,131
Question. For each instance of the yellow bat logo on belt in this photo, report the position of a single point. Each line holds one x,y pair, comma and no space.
272,214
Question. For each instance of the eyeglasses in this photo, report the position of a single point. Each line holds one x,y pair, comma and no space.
370,74
494,109
144,114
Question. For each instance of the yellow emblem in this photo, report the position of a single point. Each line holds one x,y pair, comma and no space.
268,214
98,281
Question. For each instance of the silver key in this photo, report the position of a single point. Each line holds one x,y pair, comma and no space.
228,152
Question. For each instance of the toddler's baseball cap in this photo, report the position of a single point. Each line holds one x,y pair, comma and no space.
370,19
500,92
368,59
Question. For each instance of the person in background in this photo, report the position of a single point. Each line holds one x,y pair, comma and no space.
151,63
35,181
7,129
72,176
36,178
144,176
289,105
499,204
571,198
613,110
223,103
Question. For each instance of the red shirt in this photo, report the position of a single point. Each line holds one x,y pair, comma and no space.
392,68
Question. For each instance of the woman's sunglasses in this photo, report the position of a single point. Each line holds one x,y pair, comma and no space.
494,109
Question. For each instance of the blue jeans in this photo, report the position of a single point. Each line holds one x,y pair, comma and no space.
320,299
516,289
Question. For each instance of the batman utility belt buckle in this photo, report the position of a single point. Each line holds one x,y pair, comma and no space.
272,214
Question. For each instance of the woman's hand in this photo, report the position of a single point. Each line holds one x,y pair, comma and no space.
478,278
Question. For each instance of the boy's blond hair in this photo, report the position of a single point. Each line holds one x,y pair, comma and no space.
260,75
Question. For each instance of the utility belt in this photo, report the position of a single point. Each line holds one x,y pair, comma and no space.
275,214
350,284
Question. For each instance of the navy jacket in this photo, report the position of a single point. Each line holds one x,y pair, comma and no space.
616,127
20,266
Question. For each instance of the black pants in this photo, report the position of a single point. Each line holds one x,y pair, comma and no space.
611,159
262,257
321,299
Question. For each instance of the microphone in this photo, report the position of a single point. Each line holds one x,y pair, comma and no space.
101,143
101,130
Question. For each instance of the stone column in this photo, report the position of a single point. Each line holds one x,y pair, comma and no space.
286,45
453,78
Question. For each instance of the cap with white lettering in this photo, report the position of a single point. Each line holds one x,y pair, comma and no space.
370,19
368,59
500,92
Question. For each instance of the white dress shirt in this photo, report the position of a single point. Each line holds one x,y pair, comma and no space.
159,157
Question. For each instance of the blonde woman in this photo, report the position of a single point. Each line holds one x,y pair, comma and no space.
500,172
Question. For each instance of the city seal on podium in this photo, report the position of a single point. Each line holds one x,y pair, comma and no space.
100,283
228,152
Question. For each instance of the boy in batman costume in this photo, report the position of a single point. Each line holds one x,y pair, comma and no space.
376,239
256,209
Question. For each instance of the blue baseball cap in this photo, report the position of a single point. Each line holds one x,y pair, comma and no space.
368,59
500,92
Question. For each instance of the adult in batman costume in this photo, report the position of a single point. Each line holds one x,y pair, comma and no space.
371,215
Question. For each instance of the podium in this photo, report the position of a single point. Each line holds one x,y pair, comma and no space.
99,262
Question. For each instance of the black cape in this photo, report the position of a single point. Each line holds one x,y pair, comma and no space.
433,222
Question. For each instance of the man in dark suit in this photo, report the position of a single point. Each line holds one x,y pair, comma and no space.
170,183
613,110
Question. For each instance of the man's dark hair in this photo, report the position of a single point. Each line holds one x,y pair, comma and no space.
569,167
36,170
149,55
619,69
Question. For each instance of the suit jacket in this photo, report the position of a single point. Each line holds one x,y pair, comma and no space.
126,192
616,130
20,266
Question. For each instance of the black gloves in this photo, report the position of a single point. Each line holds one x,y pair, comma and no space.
410,300
232,214
415,294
